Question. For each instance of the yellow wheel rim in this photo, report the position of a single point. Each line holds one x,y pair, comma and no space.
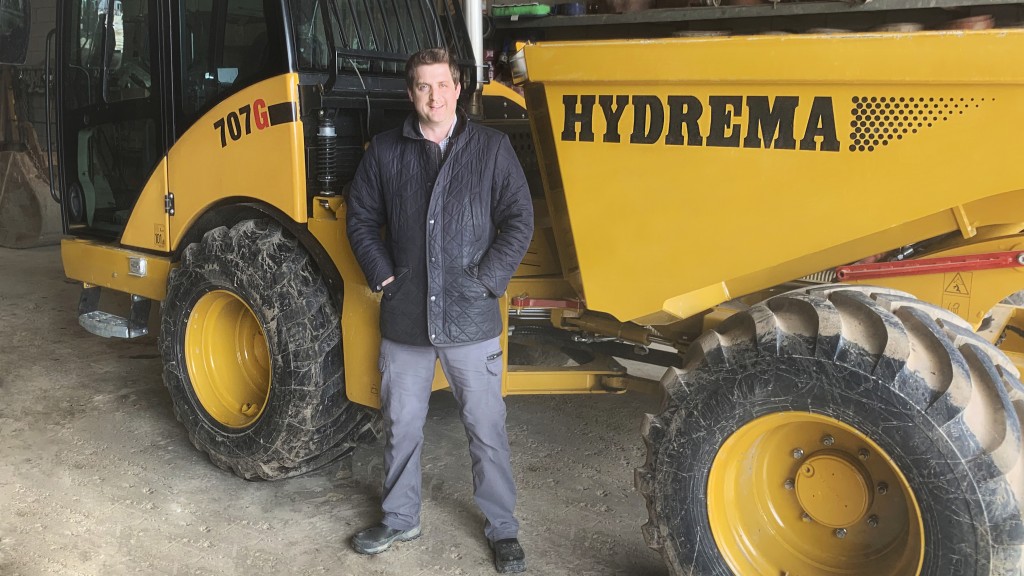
228,359
800,493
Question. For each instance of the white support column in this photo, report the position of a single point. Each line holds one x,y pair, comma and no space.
474,12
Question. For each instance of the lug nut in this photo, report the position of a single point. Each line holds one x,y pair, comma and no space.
873,521
883,488
805,517
1020,258
828,440
789,484
840,533
798,453
863,454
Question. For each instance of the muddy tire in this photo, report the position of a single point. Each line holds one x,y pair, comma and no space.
252,354
838,430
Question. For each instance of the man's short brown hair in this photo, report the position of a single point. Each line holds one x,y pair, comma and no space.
427,57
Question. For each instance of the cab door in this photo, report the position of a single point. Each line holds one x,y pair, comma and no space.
112,118
236,139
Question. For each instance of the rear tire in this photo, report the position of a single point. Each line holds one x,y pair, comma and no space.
847,375
252,352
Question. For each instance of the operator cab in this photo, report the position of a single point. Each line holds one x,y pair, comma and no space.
135,75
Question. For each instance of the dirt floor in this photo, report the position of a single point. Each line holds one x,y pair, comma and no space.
96,476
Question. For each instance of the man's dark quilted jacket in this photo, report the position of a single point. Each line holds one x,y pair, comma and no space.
455,231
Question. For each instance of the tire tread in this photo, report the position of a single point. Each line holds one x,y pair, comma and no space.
929,356
324,425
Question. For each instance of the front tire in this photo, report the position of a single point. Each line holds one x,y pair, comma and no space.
251,345
838,430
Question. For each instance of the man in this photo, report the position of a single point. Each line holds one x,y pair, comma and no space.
456,210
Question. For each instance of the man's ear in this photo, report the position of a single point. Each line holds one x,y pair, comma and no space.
409,92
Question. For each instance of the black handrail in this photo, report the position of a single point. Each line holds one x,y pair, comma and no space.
46,82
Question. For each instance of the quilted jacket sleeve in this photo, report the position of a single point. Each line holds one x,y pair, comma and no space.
367,214
512,213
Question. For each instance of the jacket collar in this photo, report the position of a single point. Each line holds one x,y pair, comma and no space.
411,128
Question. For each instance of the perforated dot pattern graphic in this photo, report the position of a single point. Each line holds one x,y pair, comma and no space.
879,121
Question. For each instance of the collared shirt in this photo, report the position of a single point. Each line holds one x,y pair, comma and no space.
444,143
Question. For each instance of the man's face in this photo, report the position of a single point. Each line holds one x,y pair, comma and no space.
435,94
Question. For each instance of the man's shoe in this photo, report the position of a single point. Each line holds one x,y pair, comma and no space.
379,538
508,556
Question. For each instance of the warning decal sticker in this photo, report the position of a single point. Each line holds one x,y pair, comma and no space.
958,286
956,292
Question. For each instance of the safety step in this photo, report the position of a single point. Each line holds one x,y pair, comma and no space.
110,325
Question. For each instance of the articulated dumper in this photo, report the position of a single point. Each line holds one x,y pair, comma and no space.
813,233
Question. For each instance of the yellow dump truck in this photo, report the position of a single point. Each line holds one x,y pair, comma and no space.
813,233
833,429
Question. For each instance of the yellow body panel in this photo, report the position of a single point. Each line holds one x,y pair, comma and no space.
147,227
206,166
1011,341
553,381
360,313
696,224
103,265
499,90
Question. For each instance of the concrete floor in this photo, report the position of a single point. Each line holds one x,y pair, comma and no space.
96,476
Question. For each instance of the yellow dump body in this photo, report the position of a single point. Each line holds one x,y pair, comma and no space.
685,172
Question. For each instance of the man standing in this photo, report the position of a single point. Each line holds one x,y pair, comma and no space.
456,210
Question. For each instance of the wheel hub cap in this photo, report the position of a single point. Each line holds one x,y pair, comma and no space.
833,489
801,493
228,359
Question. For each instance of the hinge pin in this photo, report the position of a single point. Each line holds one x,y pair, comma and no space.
169,203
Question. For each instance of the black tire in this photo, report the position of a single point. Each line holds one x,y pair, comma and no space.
945,405
307,421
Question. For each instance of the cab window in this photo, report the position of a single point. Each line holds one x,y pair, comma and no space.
111,56
224,47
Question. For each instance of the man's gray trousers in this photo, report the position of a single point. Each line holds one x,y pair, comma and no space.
474,374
